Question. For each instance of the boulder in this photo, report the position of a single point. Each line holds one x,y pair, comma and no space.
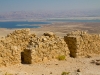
50,34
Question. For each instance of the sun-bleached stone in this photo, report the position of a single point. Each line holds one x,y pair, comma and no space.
22,47
82,44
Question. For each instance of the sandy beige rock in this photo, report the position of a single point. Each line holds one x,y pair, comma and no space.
45,48
23,47
82,44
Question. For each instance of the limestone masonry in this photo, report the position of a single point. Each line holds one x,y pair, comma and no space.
23,47
45,48
82,44
12,45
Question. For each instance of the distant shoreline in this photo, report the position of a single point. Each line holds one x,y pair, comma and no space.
51,19
21,24
60,28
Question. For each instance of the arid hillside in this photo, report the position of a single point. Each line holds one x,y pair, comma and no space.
51,50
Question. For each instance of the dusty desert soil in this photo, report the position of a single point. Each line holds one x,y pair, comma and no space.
55,67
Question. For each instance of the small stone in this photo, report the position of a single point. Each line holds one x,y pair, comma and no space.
98,60
78,73
78,70
44,39
56,64
88,56
50,72
45,59
93,61
50,34
98,63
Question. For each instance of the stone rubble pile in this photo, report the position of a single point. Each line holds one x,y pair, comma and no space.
45,48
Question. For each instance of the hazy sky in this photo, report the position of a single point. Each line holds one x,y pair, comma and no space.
50,5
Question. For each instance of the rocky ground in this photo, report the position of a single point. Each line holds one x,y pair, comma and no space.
71,66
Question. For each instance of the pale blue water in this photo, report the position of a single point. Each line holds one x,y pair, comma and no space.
21,24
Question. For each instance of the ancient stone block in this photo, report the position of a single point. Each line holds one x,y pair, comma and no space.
82,44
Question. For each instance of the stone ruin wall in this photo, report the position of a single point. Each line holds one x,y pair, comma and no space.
82,44
45,48
23,47
12,45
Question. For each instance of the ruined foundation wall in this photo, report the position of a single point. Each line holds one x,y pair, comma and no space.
23,47
45,48
82,44
12,45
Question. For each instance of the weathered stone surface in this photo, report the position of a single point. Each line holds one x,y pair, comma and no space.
23,47
82,44
12,46
98,63
45,48
50,34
